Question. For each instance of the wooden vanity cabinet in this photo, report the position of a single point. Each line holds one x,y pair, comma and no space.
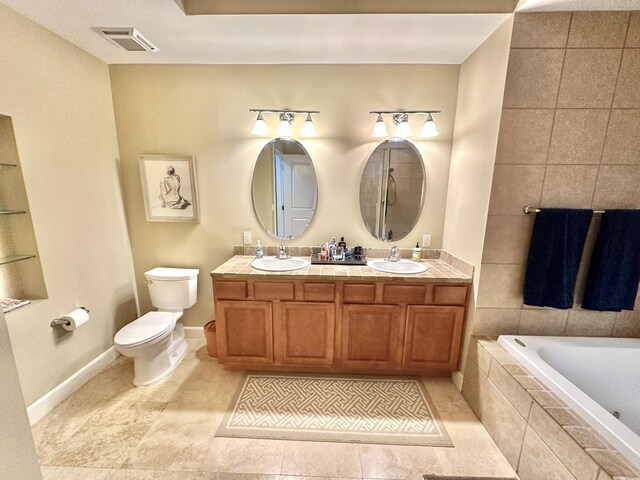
244,332
389,327
433,337
304,333
372,336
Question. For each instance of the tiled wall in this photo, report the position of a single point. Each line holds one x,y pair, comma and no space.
569,137
540,436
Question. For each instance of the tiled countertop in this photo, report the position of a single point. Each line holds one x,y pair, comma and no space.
438,271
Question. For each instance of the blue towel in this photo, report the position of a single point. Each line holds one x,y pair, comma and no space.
556,248
612,283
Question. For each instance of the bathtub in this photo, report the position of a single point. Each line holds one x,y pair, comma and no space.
594,376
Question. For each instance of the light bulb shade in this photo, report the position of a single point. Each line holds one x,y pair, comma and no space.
308,128
284,127
260,128
379,128
403,129
429,129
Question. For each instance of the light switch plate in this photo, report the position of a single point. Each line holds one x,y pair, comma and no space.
426,240
246,238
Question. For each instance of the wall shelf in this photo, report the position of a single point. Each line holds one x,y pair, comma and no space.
12,212
21,274
15,258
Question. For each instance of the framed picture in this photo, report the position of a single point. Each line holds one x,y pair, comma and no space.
169,188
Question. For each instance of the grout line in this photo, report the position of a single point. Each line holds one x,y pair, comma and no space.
566,43
626,34
555,115
606,134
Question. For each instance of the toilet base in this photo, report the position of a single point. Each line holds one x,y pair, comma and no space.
154,368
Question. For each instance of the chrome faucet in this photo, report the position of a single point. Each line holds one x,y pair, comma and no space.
394,256
282,252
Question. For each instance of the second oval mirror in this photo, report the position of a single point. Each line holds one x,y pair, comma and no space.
284,188
392,190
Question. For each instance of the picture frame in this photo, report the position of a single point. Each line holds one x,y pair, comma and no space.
169,188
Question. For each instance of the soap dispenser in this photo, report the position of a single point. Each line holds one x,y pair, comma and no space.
259,251
417,253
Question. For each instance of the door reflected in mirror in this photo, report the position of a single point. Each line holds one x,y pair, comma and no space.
392,190
284,188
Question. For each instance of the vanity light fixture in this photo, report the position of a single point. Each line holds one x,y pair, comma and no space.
260,128
284,127
379,128
308,128
429,129
401,121
286,117
403,129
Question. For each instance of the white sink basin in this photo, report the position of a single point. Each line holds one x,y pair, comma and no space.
404,267
273,264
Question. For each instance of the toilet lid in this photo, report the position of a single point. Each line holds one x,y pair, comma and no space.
149,326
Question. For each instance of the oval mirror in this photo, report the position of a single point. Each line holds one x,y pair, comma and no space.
284,188
392,190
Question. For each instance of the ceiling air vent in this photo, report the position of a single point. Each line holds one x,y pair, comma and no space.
128,38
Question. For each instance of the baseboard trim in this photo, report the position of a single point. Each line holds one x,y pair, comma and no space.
59,394
194,333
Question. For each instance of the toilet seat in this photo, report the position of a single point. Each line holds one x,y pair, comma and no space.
145,329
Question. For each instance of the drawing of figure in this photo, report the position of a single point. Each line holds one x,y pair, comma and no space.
170,191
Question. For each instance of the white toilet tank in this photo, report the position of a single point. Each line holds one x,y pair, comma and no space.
173,289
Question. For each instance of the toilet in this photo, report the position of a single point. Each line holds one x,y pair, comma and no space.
156,341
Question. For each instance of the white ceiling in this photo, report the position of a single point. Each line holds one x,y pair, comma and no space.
271,39
577,5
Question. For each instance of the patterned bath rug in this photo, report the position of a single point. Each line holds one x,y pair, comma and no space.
334,408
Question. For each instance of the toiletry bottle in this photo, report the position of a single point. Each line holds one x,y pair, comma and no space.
324,252
342,243
259,251
332,248
417,253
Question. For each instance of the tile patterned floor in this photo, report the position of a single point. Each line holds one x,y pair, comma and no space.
110,430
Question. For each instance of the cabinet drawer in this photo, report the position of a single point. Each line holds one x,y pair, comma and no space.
359,292
319,292
225,290
404,294
450,295
273,291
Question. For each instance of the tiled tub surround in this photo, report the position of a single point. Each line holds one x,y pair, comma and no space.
594,376
541,437
568,138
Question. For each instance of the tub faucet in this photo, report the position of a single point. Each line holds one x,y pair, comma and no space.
282,252
394,256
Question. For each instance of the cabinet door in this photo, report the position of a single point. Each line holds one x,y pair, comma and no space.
245,332
433,337
304,333
372,336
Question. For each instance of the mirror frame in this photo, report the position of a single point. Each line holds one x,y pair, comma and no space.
253,200
423,195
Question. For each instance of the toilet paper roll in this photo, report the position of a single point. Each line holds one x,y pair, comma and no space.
76,318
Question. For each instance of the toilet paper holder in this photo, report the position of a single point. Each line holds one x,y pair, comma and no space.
61,321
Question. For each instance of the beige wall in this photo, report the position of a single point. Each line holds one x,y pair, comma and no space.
262,188
17,455
480,96
60,102
203,110
568,138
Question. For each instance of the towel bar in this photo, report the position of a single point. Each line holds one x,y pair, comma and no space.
528,209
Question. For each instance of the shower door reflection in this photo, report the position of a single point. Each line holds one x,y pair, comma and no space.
392,190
